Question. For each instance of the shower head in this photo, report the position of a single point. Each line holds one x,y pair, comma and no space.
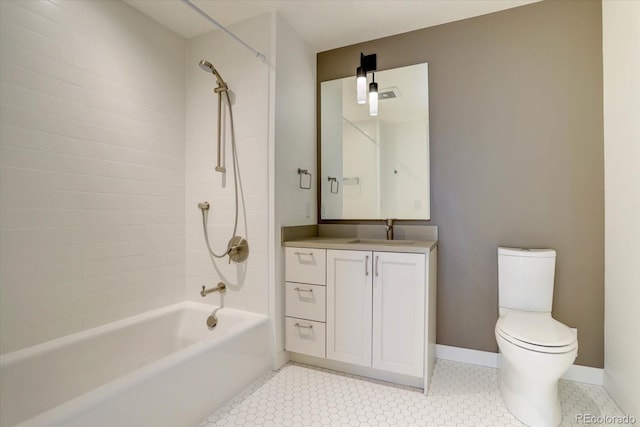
208,67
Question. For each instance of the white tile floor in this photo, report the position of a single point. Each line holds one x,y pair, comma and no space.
460,395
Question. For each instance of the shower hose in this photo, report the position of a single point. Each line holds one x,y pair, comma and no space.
236,172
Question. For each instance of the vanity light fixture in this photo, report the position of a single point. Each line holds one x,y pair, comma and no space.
373,96
367,63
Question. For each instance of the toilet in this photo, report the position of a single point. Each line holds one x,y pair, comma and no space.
535,349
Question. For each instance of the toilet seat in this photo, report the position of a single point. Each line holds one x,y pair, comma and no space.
536,331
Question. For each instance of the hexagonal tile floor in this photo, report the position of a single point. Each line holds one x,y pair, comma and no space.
459,395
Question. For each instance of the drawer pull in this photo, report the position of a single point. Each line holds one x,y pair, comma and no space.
302,290
298,325
304,253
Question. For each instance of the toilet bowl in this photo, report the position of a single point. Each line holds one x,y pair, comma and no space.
535,349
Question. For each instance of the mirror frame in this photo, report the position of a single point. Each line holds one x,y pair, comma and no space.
319,218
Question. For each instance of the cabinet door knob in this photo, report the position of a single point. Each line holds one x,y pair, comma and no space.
377,259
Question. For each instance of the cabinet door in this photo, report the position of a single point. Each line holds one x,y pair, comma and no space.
398,312
349,306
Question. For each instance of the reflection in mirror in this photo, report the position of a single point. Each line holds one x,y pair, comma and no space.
380,163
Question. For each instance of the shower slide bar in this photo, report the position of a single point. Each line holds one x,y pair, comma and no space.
223,28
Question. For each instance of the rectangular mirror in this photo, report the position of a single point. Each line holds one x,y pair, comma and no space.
376,167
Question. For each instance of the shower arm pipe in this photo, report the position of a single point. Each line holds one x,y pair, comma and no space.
224,29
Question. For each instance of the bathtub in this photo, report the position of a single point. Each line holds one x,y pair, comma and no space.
161,368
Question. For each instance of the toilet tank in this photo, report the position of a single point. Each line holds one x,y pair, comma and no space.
525,278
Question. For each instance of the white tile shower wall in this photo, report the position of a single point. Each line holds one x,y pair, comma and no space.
92,167
248,79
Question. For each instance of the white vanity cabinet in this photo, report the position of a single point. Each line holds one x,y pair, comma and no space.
364,310
376,310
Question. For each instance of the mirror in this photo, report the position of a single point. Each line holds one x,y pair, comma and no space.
376,167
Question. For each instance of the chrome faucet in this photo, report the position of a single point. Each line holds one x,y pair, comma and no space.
220,287
389,228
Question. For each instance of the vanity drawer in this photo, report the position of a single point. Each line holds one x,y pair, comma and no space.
304,265
305,301
305,336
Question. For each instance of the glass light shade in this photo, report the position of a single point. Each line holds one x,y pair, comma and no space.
361,86
373,99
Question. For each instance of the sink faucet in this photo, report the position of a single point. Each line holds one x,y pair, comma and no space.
389,228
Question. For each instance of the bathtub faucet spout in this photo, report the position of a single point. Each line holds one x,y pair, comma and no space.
220,287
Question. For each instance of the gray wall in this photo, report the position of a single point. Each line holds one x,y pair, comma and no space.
516,157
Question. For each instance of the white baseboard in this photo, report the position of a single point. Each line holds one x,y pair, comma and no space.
467,355
364,371
583,374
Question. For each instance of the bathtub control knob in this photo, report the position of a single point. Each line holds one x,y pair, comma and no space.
237,249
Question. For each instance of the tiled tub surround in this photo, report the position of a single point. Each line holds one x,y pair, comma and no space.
92,222
248,81
162,368
460,395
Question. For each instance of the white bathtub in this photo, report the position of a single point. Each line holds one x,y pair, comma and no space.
162,368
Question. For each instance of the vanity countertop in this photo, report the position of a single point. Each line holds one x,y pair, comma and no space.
364,244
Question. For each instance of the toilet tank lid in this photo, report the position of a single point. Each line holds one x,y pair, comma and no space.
524,252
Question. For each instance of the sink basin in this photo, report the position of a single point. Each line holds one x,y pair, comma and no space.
383,242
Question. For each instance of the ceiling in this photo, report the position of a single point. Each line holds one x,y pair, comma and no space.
323,24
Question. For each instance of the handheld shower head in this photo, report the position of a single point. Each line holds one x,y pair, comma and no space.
208,67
